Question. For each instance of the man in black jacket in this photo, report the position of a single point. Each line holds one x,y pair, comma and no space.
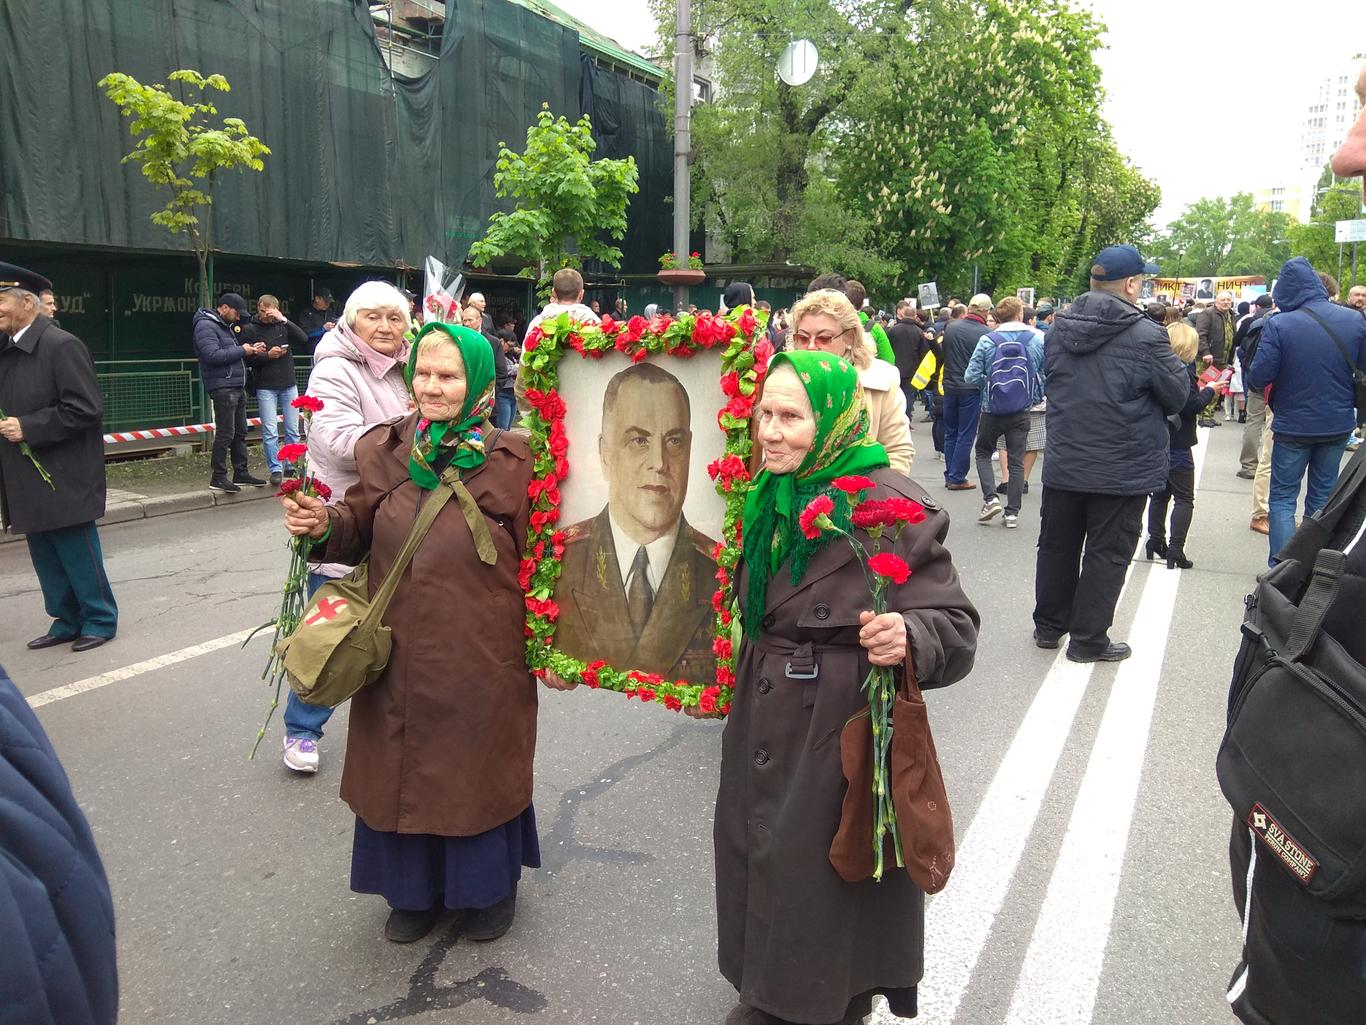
52,464
962,401
1112,381
272,378
222,352
319,318
1245,340
909,346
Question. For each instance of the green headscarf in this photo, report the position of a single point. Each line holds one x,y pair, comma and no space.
842,447
433,440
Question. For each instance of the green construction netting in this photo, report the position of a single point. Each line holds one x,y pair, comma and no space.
366,169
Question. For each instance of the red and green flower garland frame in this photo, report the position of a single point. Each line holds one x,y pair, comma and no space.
743,364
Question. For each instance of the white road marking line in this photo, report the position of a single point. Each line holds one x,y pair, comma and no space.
958,922
70,690
1061,973
1060,978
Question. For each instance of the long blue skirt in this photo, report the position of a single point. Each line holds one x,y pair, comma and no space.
414,871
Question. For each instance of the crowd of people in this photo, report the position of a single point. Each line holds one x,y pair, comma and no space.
439,761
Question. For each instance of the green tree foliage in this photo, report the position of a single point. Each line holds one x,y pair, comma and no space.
1226,237
566,203
181,150
920,148
1336,201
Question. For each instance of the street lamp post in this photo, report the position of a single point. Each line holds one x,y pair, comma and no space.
682,141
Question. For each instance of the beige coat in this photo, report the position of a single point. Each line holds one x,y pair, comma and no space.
889,422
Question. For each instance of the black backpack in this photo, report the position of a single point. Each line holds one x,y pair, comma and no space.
1293,759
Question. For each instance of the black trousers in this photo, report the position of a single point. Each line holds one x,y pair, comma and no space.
229,431
1180,490
937,411
1085,545
1015,427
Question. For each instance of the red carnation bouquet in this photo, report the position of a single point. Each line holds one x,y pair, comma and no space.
876,517
295,596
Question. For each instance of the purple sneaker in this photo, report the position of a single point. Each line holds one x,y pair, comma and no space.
301,754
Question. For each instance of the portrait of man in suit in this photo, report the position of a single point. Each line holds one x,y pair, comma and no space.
636,580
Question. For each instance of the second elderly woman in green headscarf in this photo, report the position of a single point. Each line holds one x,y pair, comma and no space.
798,942
439,753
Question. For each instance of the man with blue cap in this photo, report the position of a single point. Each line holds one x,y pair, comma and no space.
52,463
1112,381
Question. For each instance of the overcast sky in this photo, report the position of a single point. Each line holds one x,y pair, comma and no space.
1205,96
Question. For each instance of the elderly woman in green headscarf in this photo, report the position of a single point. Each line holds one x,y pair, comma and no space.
796,941
439,755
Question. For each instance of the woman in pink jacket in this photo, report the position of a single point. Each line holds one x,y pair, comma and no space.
358,374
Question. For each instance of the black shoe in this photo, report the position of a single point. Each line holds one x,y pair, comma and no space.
248,481
1242,417
1025,489
1002,488
224,485
485,924
1176,557
276,479
1040,641
1246,474
410,926
48,641
1156,548
1206,421
1116,652
87,641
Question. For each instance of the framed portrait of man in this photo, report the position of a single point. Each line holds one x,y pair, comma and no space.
640,434
641,516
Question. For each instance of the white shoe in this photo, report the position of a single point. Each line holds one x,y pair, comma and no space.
301,754
1010,521
991,508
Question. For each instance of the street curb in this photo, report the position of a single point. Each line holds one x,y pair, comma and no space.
165,505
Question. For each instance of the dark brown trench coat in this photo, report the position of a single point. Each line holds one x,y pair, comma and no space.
443,742
795,939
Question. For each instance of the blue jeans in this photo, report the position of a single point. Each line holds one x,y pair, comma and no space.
505,411
304,721
1289,460
960,428
271,405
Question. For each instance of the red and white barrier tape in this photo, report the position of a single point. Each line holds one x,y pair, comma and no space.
156,433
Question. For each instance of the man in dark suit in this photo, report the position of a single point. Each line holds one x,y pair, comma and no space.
53,410
636,581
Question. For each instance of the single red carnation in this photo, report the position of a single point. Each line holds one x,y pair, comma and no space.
718,601
308,403
903,510
288,486
853,484
672,703
721,646
533,339
707,699
609,326
893,567
817,509
524,573
748,323
292,453
872,514
645,694
322,490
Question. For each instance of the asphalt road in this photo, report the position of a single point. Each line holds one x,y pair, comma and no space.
1092,882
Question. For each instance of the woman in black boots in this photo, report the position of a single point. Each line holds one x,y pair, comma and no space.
1180,489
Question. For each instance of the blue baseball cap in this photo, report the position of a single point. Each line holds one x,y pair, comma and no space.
1115,263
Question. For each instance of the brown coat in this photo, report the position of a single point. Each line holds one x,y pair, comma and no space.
443,742
794,939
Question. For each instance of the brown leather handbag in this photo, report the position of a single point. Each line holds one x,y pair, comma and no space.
923,816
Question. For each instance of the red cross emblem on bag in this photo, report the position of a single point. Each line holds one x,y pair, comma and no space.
326,611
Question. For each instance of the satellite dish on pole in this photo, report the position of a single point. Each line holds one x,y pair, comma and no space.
798,62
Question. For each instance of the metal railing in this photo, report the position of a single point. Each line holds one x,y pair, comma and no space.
147,393
144,394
